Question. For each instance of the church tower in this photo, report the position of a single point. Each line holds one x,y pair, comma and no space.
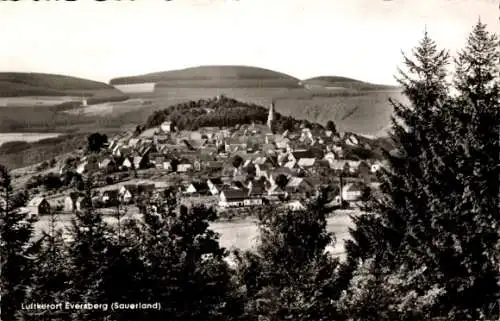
270,117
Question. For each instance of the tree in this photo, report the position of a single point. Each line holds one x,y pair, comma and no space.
281,181
396,235
96,142
436,212
51,276
237,161
475,138
330,125
88,257
184,267
16,250
290,277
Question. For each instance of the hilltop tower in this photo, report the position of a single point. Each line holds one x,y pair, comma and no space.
270,117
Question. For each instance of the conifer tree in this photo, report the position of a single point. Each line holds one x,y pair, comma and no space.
16,251
50,278
88,257
404,227
184,267
437,215
290,277
475,135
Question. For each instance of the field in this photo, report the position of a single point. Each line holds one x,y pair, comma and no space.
365,113
27,137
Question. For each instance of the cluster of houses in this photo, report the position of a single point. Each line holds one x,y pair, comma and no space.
273,168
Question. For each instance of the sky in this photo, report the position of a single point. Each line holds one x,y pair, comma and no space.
100,40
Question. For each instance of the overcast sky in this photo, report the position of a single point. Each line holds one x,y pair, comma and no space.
362,39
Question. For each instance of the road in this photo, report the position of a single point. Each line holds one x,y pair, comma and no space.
241,234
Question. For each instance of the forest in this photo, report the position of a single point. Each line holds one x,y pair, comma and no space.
427,249
221,111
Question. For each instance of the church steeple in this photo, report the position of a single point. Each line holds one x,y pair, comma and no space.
270,117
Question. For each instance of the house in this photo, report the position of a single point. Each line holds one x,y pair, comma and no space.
128,163
64,169
133,142
339,166
82,203
166,127
86,166
141,162
126,194
263,170
353,166
256,188
200,188
107,164
330,156
38,206
298,185
306,162
184,165
297,155
215,185
238,198
111,197
352,192
157,160
352,140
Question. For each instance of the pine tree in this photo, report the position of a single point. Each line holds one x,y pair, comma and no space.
476,130
406,226
50,278
16,251
437,215
290,277
184,267
88,257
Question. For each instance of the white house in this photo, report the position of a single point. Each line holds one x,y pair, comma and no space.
166,126
125,194
238,198
352,192
184,166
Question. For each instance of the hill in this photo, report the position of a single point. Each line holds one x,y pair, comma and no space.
338,83
214,76
18,84
221,111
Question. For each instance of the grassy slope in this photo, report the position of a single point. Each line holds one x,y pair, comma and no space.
214,76
344,82
15,84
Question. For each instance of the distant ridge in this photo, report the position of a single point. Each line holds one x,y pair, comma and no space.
334,82
19,84
214,76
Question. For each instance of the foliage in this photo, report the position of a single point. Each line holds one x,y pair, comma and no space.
438,209
330,125
16,250
96,142
281,181
290,277
237,161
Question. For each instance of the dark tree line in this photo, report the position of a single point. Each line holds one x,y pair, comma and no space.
427,249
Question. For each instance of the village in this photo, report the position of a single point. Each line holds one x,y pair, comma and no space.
231,168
